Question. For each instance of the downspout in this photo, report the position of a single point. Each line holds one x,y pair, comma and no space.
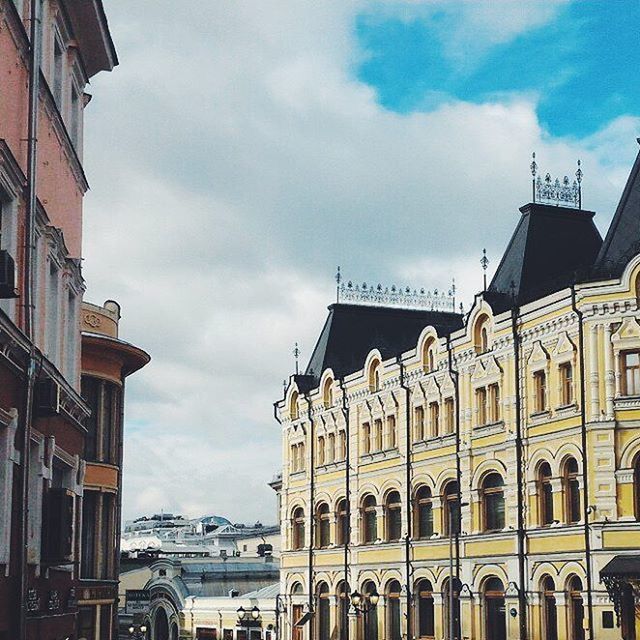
312,489
522,597
347,497
116,560
278,595
25,454
455,375
408,494
585,474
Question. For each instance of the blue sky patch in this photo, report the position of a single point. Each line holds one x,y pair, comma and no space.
582,66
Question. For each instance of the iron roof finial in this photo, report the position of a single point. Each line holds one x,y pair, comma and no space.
452,294
338,281
579,175
534,170
296,355
484,262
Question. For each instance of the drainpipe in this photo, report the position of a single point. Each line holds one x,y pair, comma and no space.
522,597
585,474
347,494
456,386
312,489
408,495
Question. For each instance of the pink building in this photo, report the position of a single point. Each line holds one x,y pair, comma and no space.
49,49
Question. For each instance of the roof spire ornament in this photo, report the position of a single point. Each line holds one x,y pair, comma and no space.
579,175
296,355
534,170
452,294
484,263
338,277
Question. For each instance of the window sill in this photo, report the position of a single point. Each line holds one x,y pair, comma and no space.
626,402
329,466
488,429
379,455
298,474
567,408
540,416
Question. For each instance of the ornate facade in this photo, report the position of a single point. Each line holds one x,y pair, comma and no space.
481,474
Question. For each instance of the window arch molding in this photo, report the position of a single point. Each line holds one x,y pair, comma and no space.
482,329
427,349
293,403
327,387
373,371
485,468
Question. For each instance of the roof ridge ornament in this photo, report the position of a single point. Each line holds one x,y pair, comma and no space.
398,297
548,190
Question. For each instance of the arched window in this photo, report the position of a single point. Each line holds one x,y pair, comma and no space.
296,589
343,609
636,482
374,376
297,611
576,609
297,523
423,513
426,619
323,531
369,520
368,589
331,448
393,516
481,334
324,612
327,393
342,529
451,511
572,491
493,502
545,494
393,611
293,406
549,609
452,613
429,355
321,451
495,619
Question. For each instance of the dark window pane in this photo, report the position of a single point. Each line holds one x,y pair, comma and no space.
88,534
90,393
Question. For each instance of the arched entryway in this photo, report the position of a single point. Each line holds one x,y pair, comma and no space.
160,625
495,614
175,634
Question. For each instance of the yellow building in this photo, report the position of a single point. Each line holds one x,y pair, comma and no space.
516,428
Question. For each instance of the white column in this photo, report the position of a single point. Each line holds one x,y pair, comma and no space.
594,381
609,372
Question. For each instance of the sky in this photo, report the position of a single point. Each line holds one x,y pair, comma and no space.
242,150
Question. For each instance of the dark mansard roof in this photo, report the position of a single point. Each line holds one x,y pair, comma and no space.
622,241
352,331
550,248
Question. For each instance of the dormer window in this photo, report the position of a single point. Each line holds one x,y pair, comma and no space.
293,406
374,376
429,355
481,334
327,393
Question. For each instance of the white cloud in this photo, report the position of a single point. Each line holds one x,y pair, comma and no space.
243,162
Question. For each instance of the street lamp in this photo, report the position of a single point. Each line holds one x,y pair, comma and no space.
364,605
138,634
247,616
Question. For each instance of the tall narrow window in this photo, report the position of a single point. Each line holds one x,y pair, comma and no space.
426,618
481,405
293,406
392,436
452,613
321,451
53,313
428,356
371,632
495,610
298,528
366,437
494,402
434,419
331,448
550,612
576,609
393,516
481,334
89,520
343,609
449,416
327,393
75,116
378,434
566,384
545,494
493,502
57,73
630,361
342,445
540,391
342,529
294,458
636,483
324,612
91,394
323,525
301,457
369,520
423,513
374,376
393,611
572,490
451,512
418,424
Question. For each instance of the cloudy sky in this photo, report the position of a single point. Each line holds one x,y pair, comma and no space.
244,149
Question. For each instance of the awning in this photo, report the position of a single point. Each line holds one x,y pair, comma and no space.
619,575
622,566
305,618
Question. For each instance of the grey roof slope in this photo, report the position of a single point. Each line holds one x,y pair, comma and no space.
550,248
352,331
622,241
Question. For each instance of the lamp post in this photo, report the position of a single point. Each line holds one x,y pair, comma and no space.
453,628
247,616
139,633
364,605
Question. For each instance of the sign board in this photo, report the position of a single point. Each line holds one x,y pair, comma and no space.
137,601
